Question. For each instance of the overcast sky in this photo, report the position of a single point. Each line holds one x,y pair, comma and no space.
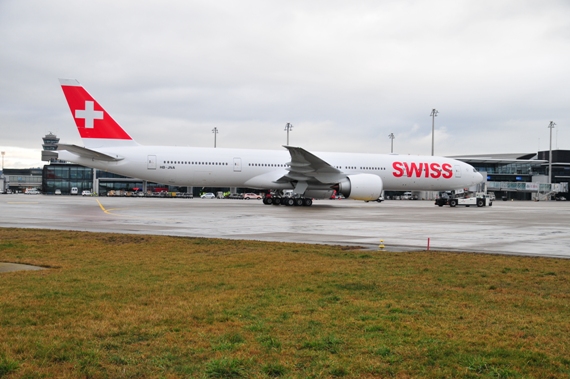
346,74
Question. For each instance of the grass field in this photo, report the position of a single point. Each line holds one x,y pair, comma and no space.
135,306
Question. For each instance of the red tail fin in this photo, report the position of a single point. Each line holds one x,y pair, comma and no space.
93,122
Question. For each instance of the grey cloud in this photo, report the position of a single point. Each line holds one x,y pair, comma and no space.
346,74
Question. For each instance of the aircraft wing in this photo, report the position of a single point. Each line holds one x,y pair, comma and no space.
88,153
307,167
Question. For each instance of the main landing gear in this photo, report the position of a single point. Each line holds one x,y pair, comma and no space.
288,201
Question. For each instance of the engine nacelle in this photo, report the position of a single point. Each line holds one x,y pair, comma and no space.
361,187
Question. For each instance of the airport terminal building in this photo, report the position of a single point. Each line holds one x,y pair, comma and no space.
523,176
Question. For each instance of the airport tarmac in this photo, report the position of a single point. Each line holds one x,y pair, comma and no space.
521,228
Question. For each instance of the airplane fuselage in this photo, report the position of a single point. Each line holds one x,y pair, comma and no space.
218,167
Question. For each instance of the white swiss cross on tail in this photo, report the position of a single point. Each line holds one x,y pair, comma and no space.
89,114
95,126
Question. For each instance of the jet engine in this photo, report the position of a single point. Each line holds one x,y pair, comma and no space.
361,187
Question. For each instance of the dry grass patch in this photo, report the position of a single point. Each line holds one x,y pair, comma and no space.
153,306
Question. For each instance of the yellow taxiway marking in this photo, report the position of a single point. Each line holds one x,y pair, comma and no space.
126,216
102,207
108,211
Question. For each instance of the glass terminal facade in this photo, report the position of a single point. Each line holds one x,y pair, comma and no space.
524,177
65,176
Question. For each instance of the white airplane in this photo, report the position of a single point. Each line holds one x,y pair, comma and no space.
310,175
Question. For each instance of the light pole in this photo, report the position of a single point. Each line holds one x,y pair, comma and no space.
433,115
215,131
391,136
3,161
288,128
550,126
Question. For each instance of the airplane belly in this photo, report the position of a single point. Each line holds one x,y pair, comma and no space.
204,178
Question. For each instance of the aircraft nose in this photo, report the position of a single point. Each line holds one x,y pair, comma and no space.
479,177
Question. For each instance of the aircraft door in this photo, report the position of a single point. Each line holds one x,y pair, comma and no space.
237,164
151,162
457,170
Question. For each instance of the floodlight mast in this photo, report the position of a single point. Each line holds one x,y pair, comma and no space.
215,131
433,115
550,126
288,128
391,136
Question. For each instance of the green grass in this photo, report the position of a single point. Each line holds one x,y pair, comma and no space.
165,307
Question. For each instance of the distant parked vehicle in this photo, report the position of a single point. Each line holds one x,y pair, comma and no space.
58,191
32,191
208,195
247,196
86,193
235,196
74,191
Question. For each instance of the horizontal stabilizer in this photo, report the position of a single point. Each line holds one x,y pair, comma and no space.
88,153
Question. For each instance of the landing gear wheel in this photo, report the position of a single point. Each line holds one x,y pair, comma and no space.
307,202
277,201
289,202
268,200
299,202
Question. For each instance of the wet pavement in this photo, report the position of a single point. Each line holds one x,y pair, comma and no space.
522,228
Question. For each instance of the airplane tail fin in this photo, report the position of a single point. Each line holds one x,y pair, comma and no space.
96,127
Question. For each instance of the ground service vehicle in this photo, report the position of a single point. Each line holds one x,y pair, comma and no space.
479,199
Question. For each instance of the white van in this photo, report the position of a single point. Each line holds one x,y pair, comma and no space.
74,191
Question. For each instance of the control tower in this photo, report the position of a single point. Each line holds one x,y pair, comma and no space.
49,146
